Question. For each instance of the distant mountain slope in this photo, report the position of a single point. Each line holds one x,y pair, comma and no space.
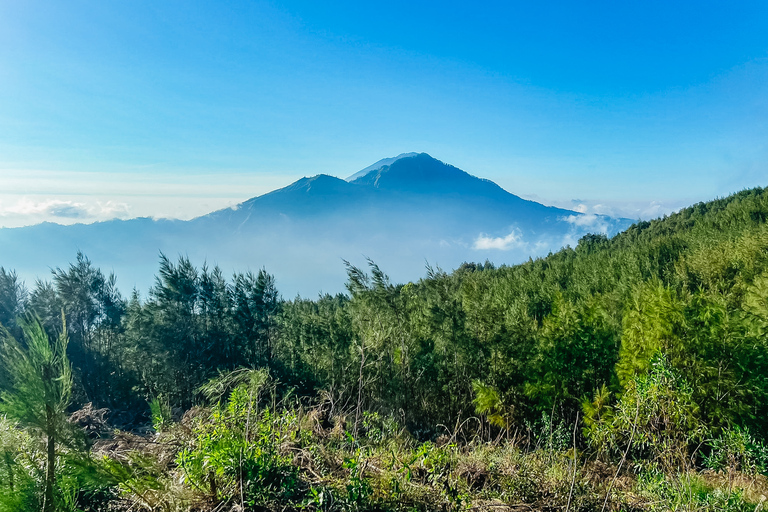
423,178
378,165
409,210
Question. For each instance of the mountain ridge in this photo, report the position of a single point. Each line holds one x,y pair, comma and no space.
408,178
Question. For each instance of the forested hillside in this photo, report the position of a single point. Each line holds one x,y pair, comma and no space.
625,373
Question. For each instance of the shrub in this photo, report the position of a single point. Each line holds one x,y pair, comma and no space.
236,453
656,418
736,449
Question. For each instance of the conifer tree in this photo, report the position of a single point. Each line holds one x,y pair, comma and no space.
39,391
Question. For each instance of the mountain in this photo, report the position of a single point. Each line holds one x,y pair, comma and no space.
402,212
456,202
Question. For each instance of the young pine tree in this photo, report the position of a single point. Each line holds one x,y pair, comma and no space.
39,389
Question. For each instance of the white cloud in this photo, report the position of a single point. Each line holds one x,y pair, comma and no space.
590,221
634,210
581,208
511,241
25,211
655,209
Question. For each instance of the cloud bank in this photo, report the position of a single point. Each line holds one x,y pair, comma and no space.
643,210
61,211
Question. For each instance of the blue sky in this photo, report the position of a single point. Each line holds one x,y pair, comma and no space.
173,109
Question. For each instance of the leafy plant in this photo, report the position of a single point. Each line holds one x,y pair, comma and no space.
359,490
736,449
378,428
236,452
160,411
655,417
19,489
597,414
488,402
145,482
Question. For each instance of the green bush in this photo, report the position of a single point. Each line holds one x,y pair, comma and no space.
656,418
160,411
19,476
378,429
236,453
736,449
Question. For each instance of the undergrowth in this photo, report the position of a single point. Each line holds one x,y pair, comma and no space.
249,452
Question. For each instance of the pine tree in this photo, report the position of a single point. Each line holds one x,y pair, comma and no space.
39,391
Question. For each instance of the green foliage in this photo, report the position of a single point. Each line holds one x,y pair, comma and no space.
248,380
376,429
13,301
656,417
145,482
653,324
93,309
41,379
19,471
39,391
689,492
488,402
358,490
236,452
576,352
756,302
598,414
736,449
550,433
160,412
